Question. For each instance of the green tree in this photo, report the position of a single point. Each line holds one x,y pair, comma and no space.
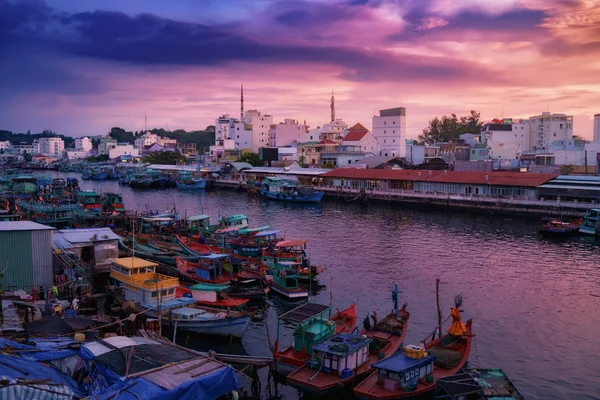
329,164
566,169
252,159
26,156
121,135
451,127
302,162
165,157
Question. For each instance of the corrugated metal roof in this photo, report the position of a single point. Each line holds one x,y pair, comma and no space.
22,226
481,178
239,166
65,238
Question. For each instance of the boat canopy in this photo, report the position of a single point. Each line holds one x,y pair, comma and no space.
235,217
133,262
291,243
207,287
187,312
343,344
400,363
158,219
196,218
253,230
304,312
288,263
213,256
228,229
268,233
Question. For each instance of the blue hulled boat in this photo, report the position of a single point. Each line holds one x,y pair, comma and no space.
287,190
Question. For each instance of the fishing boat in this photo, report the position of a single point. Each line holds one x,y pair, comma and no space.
293,254
24,184
158,180
140,282
215,296
284,282
591,222
288,190
414,371
209,321
479,384
347,357
89,200
58,216
208,268
140,180
187,181
311,328
112,202
557,227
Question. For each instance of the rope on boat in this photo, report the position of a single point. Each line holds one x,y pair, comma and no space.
435,330
317,373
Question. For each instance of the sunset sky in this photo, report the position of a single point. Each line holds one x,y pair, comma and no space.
82,66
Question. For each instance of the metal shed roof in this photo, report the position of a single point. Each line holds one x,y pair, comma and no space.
23,226
66,238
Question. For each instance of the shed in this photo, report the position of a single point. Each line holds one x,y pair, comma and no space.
26,255
93,246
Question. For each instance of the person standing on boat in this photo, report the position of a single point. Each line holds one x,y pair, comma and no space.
367,321
457,328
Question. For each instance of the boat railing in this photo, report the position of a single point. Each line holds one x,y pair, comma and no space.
142,280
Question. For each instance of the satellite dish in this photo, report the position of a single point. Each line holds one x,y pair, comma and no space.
458,300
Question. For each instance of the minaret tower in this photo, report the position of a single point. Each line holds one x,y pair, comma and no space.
332,107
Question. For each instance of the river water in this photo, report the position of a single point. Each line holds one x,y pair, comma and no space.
535,302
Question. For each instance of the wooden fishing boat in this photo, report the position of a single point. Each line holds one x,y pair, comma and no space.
557,227
214,296
591,222
284,282
287,190
208,321
311,328
208,268
479,384
346,358
405,375
292,252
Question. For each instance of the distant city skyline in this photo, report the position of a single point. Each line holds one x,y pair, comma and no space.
80,68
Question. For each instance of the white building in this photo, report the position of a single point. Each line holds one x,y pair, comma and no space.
596,128
260,126
415,153
84,144
4,145
123,149
360,137
76,154
547,128
390,130
223,127
33,148
167,143
287,133
507,141
333,130
242,135
470,138
146,139
106,144
52,146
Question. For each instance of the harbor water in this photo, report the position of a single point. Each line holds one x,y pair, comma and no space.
535,302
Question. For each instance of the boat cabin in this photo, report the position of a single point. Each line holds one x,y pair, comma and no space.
403,372
591,222
211,266
278,185
268,237
198,222
313,325
89,200
236,220
205,292
340,355
141,283
188,313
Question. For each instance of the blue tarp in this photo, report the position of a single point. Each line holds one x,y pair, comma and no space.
208,387
20,368
50,349
335,345
400,363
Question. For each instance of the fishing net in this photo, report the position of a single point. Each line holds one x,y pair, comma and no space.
339,347
445,358
390,326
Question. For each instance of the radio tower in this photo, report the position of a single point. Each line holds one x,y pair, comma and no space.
242,103
332,107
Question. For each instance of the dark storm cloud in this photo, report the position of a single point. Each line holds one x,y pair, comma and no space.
147,39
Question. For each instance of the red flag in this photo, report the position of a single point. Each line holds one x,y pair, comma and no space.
114,213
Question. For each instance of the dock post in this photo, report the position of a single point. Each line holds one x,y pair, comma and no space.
175,332
439,310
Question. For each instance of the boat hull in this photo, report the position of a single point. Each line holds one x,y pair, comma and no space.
196,185
316,197
158,183
290,294
234,327
140,184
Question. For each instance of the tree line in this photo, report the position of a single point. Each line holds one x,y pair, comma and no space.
28,138
202,138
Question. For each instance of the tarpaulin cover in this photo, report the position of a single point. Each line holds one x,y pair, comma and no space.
19,368
50,349
59,325
207,387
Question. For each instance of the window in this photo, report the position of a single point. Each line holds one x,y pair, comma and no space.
394,140
560,128
554,134
154,294
385,123
238,129
383,140
394,131
349,161
394,122
238,136
384,131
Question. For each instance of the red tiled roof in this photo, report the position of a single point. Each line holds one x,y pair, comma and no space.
529,179
358,127
327,141
355,136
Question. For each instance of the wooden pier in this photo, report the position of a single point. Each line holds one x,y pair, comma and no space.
498,205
